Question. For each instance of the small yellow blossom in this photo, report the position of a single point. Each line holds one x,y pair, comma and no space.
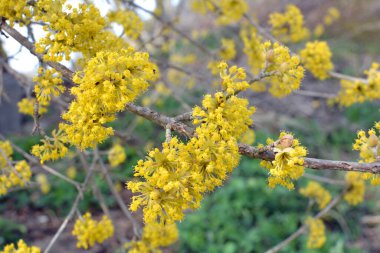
89,231
288,162
26,106
48,85
153,237
358,91
356,188
43,181
131,22
316,237
229,11
7,151
316,57
315,191
52,148
21,247
17,175
233,79
16,11
331,16
286,71
289,26
71,172
116,155
227,51
254,49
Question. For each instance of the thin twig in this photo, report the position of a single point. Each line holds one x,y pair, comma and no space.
119,200
303,228
73,207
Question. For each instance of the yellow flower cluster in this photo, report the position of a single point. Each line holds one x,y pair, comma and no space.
5,153
71,172
319,194
286,71
71,30
22,247
109,81
26,106
52,148
369,148
12,175
227,50
229,11
357,92
356,188
48,85
89,231
131,22
80,29
177,176
289,26
253,49
233,79
153,237
17,175
316,57
15,11
317,236
43,182
288,162
116,155
331,16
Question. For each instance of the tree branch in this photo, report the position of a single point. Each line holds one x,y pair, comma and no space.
164,121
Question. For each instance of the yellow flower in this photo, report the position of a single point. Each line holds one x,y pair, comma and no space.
20,248
7,150
116,155
42,180
52,148
109,81
233,79
153,237
356,188
254,49
71,172
288,162
357,91
286,71
289,26
89,231
131,22
48,85
16,11
229,11
81,29
316,57
18,175
26,106
315,191
317,237
332,15
227,50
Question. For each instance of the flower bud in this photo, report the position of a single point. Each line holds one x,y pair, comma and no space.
373,141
